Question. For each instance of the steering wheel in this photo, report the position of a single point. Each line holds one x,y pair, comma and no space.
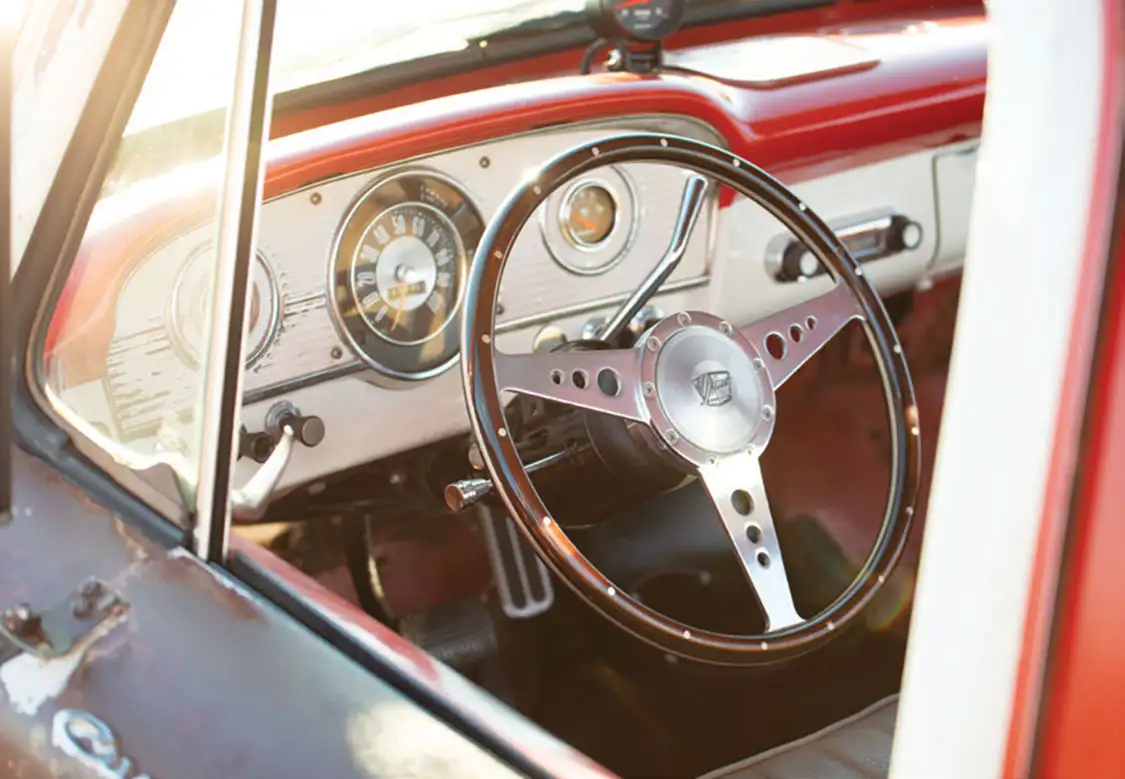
700,390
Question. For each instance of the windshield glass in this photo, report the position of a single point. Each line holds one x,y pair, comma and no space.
317,41
328,39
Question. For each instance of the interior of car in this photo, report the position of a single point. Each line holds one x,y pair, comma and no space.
604,366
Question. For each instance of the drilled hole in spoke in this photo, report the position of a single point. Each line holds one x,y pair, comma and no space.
763,558
754,533
776,346
608,382
580,379
796,333
810,323
742,502
557,377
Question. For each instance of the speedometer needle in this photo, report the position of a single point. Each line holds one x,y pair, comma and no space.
585,222
401,307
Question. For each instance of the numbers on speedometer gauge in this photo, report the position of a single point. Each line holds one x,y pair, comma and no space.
398,273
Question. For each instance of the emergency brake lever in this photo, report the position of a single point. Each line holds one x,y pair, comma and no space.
250,501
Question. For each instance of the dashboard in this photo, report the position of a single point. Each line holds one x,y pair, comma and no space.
360,266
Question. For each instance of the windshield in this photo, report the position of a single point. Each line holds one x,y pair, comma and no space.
318,41
329,39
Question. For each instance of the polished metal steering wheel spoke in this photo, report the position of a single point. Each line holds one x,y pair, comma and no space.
605,380
736,488
788,338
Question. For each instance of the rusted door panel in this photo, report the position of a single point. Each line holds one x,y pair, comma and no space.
200,679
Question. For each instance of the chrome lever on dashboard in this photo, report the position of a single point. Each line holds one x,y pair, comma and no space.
460,495
690,206
250,501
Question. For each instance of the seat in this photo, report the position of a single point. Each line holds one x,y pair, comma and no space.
858,747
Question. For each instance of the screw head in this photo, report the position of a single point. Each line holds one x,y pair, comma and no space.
649,389
767,413
653,343
725,328
683,318
671,436
758,363
315,198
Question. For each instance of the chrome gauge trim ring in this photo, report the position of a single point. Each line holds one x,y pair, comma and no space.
401,361
565,252
273,303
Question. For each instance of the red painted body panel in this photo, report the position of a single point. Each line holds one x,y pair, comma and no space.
1032,717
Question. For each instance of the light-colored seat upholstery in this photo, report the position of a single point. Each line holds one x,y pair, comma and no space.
858,747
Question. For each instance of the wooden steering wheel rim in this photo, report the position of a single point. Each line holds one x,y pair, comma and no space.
511,480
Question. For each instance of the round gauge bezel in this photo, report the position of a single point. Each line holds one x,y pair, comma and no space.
436,353
571,256
181,343
460,289
566,208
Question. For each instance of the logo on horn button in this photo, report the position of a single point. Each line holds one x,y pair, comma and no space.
714,388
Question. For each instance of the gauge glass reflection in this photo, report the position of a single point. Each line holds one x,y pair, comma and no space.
588,215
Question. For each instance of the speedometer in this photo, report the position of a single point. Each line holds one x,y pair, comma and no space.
398,271
407,273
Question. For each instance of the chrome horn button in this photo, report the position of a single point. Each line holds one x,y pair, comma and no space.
709,390
705,388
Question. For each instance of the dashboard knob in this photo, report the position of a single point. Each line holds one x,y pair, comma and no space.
548,338
309,430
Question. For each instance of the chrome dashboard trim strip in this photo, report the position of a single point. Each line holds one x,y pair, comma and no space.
356,366
593,305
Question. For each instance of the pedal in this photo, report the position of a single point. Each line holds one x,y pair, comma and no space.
521,577
459,633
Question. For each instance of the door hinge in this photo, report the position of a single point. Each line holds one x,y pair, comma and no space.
54,631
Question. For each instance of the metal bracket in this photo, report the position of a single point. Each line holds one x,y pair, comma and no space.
55,631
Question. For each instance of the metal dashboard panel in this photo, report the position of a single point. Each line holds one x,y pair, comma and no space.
297,231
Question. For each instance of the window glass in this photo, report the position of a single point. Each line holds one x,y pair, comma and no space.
127,342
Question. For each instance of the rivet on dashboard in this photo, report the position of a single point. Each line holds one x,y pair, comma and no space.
671,436
909,511
546,521
498,254
914,431
653,343
486,338
502,432
736,162
767,413
610,591
663,141
831,625
764,646
337,352
859,271
758,363
802,206
897,349
687,634
683,318
725,328
595,151
537,190
649,389
485,161
315,198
